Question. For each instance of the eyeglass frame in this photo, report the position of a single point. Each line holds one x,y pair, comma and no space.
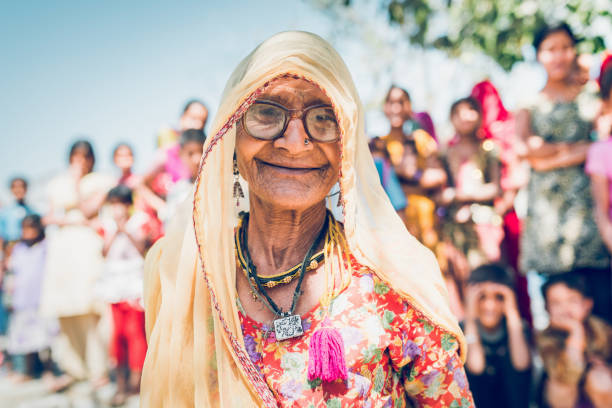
293,113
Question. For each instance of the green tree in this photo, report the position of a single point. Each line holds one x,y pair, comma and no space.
498,28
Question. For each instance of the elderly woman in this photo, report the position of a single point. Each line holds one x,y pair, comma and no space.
284,305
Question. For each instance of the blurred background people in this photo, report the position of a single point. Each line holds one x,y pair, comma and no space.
576,347
167,167
498,363
123,159
145,200
603,122
599,159
191,146
193,116
559,234
30,334
120,285
11,217
498,124
413,154
471,228
74,262
473,225
387,175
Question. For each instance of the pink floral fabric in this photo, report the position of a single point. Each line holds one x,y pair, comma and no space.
396,357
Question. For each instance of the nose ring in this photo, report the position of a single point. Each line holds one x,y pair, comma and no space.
306,142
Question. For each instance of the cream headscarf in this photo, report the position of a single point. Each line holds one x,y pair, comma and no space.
196,353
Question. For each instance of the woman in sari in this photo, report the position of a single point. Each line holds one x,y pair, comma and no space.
284,305
74,262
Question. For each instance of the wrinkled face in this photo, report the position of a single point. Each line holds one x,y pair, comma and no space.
490,306
18,189
123,158
288,173
556,54
190,154
194,117
398,108
465,119
565,302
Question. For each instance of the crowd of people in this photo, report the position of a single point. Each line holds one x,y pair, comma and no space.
535,285
72,279
532,286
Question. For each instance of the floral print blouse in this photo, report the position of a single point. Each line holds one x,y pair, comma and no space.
395,356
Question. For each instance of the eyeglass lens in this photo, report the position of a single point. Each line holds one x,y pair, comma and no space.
267,121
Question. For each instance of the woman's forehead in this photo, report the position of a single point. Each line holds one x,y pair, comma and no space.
397,95
296,92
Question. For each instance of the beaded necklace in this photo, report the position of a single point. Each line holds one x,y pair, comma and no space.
272,281
287,324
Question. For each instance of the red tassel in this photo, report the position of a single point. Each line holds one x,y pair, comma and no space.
326,360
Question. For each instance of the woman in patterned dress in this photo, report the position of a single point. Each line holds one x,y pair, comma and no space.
559,235
284,305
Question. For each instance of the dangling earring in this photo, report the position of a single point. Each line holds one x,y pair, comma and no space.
238,193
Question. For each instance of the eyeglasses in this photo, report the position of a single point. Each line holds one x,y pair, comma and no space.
267,120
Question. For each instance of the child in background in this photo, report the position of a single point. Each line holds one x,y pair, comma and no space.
30,335
10,233
121,286
576,348
387,175
498,362
168,167
474,227
190,153
144,199
123,158
11,215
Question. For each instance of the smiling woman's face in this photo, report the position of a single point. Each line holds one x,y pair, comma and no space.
288,173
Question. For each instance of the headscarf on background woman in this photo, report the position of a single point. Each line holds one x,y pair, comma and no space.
498,125
196,354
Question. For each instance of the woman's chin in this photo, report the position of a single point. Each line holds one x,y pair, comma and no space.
294,200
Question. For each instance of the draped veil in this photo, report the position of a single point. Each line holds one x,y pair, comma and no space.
196,353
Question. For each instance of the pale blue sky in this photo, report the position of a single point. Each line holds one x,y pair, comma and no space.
118,70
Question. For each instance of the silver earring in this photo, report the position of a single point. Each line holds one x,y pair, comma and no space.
238,193
306,142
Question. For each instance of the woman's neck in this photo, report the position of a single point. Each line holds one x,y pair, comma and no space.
396,133
278,238
469,139
560,90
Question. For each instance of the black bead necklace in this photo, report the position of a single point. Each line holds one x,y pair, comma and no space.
287,324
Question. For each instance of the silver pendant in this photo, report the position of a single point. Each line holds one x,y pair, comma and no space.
288,327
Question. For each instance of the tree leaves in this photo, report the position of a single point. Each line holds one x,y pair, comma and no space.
498,28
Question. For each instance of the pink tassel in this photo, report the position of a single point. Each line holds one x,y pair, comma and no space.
326,360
